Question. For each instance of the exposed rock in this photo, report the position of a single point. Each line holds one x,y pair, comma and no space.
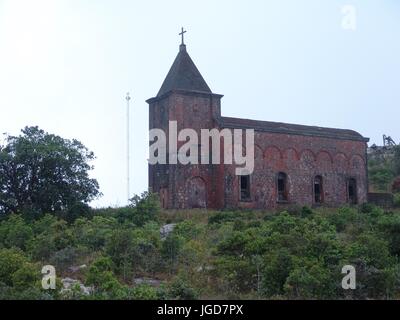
151,282
69,284
205,268
166,230
74,269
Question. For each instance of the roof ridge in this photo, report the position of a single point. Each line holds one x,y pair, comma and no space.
289,128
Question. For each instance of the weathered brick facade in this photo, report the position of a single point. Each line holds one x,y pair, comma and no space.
294,164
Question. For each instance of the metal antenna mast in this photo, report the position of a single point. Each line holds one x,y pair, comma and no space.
128,98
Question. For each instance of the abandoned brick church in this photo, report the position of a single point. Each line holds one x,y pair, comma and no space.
294,164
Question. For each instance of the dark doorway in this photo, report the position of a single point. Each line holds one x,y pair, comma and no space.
196,192
352,191
282,187
244,188
318,190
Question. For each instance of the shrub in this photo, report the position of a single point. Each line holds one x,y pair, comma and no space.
94,233
101,276
299,211
171,247
371,249
366,208
234,244
17,275
187,230
221,217
120,249
277,268
146,208
390,228
181,290
27,276
310,279
397,200
343,217
15,232
143,292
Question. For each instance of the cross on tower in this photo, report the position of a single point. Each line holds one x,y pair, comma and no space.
183,34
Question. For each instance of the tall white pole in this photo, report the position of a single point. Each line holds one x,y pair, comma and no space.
128,98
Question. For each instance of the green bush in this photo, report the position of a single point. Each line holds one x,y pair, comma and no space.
390,229
221,217
171,248
27,276
121,249
19,278
371,249
106,284
94,233
145,208
397,200
188,230
15,232
181,290
237,255
143,292
299,211
310,279
343,217
277,268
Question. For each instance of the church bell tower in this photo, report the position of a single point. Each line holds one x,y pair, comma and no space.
186,98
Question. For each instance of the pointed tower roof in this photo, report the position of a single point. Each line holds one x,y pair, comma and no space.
184,75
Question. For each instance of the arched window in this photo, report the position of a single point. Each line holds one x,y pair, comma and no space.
245,188
282,187
352,191
318,190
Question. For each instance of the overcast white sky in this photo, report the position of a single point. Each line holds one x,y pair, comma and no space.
65,65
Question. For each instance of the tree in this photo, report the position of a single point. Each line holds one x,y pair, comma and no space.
146,207
44,173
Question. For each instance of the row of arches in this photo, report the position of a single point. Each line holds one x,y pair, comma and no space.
275,153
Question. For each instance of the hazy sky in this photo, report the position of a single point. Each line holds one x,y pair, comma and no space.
65,65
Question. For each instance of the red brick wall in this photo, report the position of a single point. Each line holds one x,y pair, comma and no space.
300,157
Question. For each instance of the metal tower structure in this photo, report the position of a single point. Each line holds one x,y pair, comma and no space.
128,99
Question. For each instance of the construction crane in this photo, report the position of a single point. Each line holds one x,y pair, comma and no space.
388,141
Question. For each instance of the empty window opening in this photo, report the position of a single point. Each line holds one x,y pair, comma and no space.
318,190
282,187
352,191
244,188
